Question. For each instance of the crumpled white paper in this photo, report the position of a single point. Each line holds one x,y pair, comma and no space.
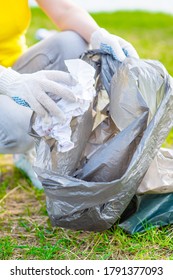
84,92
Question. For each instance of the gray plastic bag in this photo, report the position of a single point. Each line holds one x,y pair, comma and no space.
128,127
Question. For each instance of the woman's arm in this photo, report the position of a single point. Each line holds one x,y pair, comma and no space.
69,16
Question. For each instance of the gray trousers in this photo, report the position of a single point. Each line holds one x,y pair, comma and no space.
46,55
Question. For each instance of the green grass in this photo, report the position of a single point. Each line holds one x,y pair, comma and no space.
25,229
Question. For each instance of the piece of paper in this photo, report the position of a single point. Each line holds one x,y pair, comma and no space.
84,92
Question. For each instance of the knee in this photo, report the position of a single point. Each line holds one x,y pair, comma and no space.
71,44
66,45
50,53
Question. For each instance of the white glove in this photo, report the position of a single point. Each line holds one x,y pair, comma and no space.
114,45
33,89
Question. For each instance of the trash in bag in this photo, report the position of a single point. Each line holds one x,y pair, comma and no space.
109,163
91,185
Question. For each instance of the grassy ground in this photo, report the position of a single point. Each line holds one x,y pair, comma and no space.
25,230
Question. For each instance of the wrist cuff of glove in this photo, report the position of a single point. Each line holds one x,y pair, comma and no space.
7,77
97,37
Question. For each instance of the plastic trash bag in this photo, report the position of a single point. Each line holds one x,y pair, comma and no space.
153,204
131,116
159,177
151,210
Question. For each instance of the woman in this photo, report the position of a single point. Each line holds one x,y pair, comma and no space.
27,74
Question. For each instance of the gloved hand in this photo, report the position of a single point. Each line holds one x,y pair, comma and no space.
112,44
33,89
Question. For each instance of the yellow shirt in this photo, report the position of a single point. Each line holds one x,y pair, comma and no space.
14,20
